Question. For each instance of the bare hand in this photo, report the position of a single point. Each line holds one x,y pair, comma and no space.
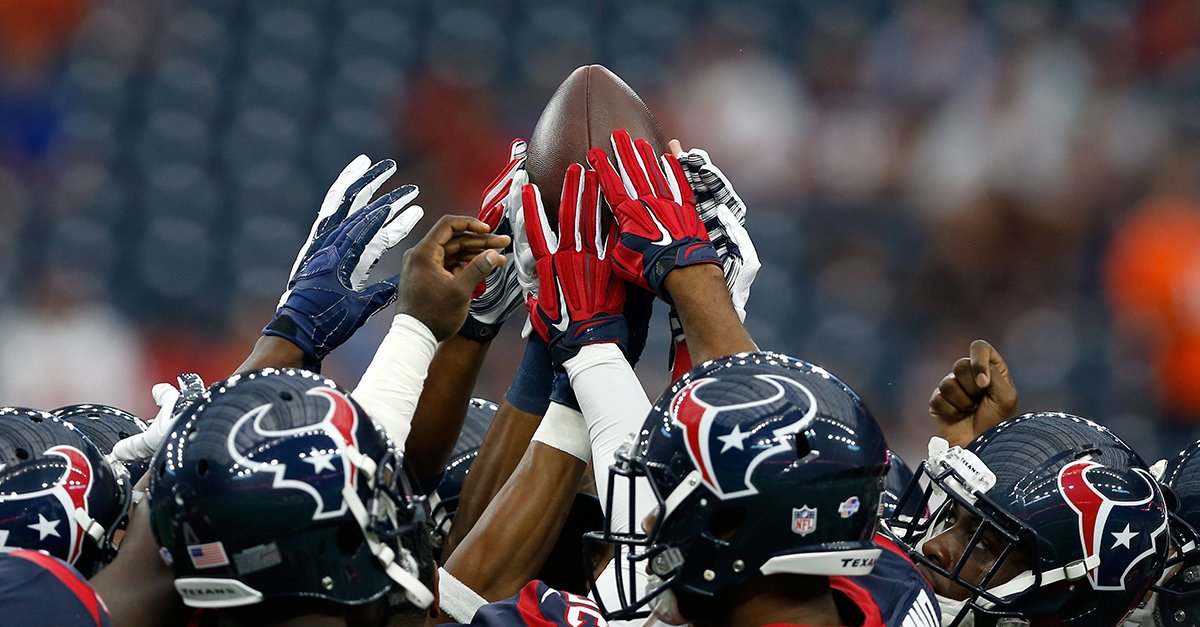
442,270
977,395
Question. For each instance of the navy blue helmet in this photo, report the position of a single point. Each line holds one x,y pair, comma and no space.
278,485
760,464
444,500
105,425
898,478
1178,597
1066,525
58,494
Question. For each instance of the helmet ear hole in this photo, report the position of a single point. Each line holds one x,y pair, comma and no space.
202,467
22,454
349,537
726,521
285,395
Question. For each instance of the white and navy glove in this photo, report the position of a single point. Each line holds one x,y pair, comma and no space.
172,401
724,216
328,296
502,293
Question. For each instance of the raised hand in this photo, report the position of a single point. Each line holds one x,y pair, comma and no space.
656,214
442,270
501,294
172,401
579,298
328,296
977,395
723,213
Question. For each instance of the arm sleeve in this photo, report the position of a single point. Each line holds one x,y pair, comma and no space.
391,386
614,406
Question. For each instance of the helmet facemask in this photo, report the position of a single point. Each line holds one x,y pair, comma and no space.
950,489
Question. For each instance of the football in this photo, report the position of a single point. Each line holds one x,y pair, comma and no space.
588,106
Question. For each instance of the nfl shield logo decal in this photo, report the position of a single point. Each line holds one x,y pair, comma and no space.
804,520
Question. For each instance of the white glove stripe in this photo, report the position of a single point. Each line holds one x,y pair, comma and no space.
672,182
396,227
544,224
333,197
364,195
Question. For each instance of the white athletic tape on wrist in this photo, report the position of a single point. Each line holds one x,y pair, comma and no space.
563,428
456,599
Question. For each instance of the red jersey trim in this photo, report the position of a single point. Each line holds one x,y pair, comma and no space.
886,543
857,595
82,591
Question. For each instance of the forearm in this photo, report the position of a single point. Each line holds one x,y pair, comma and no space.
499,455
442,407
514,424
392,384
272,352
614,406
706,312
510,542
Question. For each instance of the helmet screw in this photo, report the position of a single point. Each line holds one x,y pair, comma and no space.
1180,616
327,583
709,575
692,481
738,566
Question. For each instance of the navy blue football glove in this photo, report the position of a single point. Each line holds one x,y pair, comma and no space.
329,298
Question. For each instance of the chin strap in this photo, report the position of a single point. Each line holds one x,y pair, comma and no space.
399,569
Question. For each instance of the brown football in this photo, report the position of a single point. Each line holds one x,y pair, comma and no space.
588,106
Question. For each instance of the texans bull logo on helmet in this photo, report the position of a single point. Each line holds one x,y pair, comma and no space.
55,495
1109,526
711,439
323,470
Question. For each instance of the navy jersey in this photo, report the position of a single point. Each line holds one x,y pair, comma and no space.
543,606
36,589
539,605
904,597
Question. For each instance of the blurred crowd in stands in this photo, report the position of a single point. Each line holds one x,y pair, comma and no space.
919,173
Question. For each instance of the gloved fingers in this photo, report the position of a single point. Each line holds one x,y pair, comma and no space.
616,189
494,195
384,240
633,171
717,181
542,240
380,295
739,237
681,191
165,395
568,208
333,198
360,232
649,162
591,229
359,194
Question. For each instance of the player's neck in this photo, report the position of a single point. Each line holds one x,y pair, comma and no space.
785,600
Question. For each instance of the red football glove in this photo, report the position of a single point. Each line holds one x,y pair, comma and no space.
500,294
579,299
655,211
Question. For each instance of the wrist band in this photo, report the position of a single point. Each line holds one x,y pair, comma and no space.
563,428
456,599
